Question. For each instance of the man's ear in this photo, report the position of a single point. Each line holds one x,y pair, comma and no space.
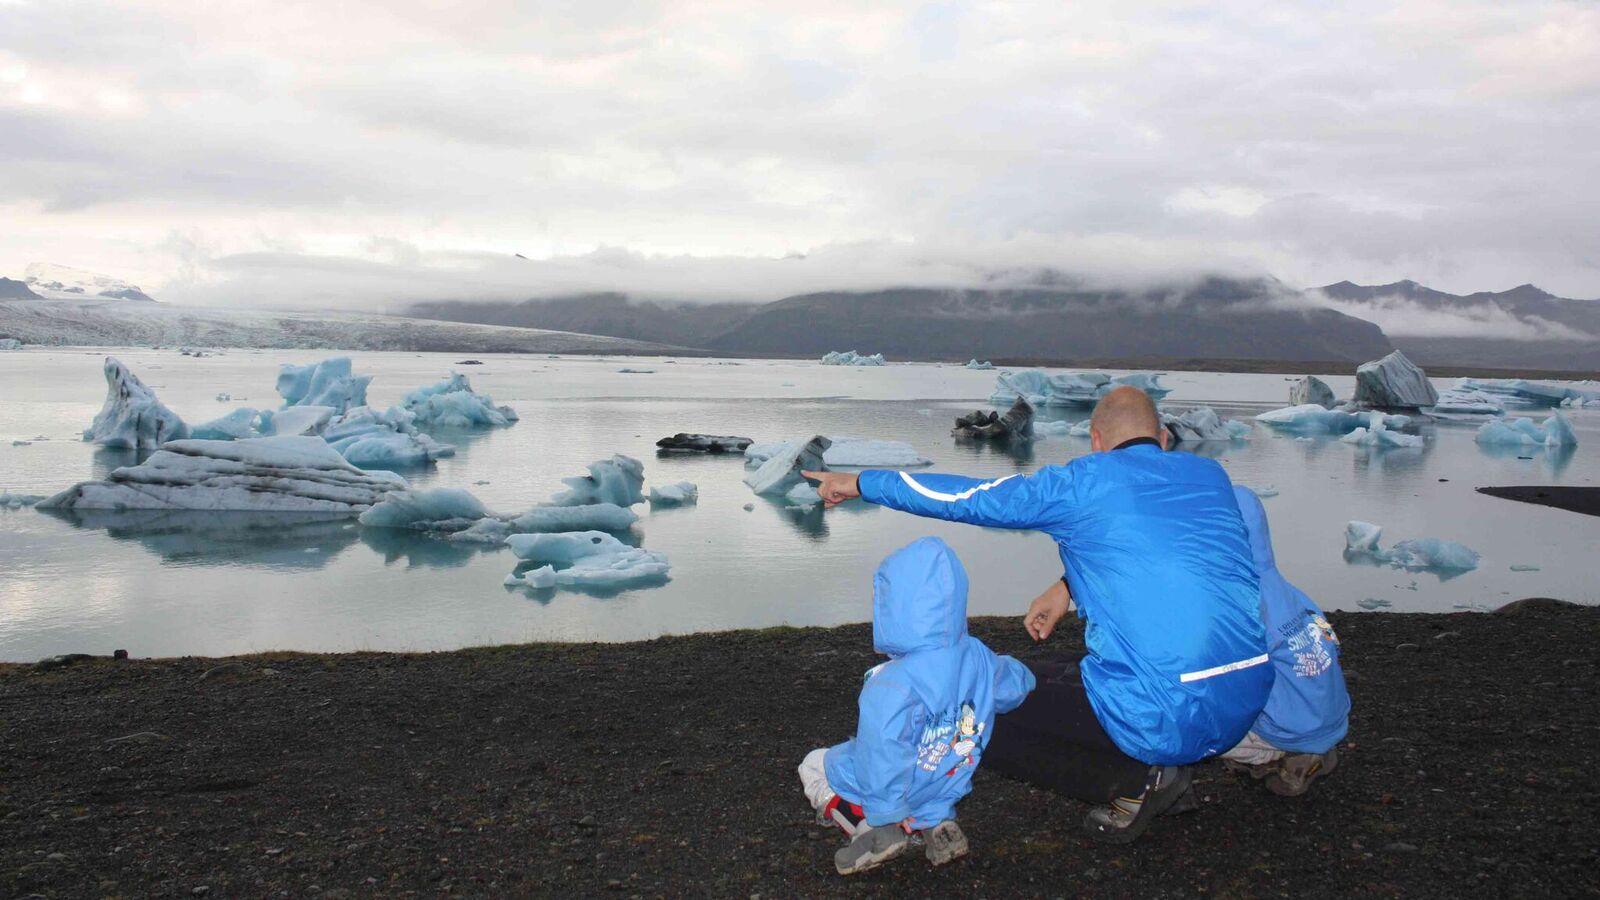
1096,442
1165,437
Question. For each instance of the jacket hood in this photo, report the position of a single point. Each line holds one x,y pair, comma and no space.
1255,523
919,599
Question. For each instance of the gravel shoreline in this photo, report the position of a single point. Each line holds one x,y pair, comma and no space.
666,768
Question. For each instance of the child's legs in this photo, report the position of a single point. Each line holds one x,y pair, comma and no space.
814,779
1253,751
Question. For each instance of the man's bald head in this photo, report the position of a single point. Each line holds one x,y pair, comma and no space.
1123,414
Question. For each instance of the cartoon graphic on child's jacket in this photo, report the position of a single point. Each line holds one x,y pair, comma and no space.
927,714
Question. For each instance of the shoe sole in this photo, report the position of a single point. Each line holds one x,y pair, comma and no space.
870,861
1149,811
945,843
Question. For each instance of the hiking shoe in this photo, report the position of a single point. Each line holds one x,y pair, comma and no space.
1125,818
848,817
944,842
871,848
1295,772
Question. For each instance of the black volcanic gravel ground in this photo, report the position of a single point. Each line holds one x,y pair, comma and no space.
666,768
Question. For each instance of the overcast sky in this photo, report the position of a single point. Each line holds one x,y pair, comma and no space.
359,154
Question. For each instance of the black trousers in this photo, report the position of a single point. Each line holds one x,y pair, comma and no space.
1054,741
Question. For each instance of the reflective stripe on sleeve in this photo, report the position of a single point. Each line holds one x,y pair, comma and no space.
951,498
1222,670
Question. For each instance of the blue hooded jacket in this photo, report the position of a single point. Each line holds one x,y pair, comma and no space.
1157,559
1308,710
927,714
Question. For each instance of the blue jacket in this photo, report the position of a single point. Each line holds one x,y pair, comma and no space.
1157,559
926,715
1308,710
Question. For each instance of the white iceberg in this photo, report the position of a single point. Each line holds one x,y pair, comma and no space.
851,358
1312,389
277,474
1376,434
1203,424
132,418
975,364
383,440
1391,382
590,559
9,500
297,420
455,514
845,451
1523,393
1361,541
682,493
1310,418
452,403
238,425
1463,404
1042,389
327,383
1555,431
803,494
617,480
782,471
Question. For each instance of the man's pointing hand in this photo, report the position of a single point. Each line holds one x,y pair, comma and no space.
835,487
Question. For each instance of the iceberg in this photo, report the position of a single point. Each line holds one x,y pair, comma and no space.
1203,424
682,493
591,559
974,364
1523,393
132,418
1393,382
803,494
1376,434
1555,431
452,403
1017,422
326,383
1312,389
237,425
1042,389
439,509
1465,404
10,344
297,420
617,480
851,358
1310,418
456,515
1361,541
684,442
383,440
277,474
844,451
9,500
782,471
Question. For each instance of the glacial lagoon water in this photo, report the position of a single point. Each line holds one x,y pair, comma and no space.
236,583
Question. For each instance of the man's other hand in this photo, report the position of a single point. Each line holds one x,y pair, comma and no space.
835,487
1047,609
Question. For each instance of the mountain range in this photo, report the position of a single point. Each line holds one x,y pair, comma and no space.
1218,318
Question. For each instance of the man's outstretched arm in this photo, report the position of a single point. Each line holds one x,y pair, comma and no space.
1015,501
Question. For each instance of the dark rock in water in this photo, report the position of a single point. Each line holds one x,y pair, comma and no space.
1393,382
1016,422
469,362
1312,389
1534,604
1574,498
683,442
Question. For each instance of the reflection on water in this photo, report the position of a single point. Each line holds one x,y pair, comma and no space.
258,539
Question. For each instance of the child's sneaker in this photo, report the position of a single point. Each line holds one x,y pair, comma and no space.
871,848
1296,771
944,842
849,817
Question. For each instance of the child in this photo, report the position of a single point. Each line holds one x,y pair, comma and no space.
1308,711
925,717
